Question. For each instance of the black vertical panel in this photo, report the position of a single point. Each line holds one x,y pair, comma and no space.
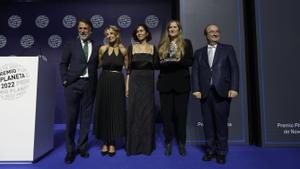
175,9
252,73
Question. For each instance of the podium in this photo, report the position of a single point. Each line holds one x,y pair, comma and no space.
27,101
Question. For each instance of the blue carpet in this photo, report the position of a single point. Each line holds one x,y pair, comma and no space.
239,157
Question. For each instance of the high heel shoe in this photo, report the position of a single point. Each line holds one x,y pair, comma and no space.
104,153
111,151
111,154
168,149
181,148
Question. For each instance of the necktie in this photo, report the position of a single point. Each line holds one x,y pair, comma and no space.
86,50
86,54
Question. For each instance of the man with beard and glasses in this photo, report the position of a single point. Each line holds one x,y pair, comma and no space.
78,69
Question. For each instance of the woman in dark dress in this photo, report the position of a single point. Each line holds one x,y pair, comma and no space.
140,88
176,56
109,119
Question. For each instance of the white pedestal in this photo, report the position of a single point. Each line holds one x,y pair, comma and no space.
27,105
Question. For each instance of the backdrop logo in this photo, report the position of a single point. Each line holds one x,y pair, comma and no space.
69,21
54,41
14,81
42,21
151,21
27,41
124,21
14,21
3,41
97,21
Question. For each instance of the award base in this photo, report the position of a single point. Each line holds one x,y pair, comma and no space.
170,59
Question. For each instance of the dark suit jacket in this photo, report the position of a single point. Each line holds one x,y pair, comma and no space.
224,71
73,63
176,76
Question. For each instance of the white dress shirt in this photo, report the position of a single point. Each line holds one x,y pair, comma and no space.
86,73
211,50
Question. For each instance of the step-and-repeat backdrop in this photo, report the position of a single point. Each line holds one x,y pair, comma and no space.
38,28
43,28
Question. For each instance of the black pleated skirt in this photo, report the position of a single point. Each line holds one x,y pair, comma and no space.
109,118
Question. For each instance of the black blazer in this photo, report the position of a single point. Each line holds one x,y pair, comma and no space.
224,71
176,76
73,63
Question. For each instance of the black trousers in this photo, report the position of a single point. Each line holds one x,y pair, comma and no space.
79,103
215,112
174,114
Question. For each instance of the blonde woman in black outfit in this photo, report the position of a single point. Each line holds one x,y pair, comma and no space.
176,56
109,119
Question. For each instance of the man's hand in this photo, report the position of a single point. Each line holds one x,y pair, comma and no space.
232,93
197,95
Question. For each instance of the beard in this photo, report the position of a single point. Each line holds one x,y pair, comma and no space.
84,36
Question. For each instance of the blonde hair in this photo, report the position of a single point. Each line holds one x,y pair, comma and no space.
103,48
116,30
165,41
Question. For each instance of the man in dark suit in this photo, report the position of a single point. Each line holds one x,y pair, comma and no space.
78,69
215,75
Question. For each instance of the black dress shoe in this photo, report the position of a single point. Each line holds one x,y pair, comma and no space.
208,156
83,153
69,158
104,153
221,159
168,150
111,154
181,148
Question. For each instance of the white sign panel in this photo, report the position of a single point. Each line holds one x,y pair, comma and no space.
18,84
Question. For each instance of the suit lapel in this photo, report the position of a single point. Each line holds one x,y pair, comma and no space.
217,54
79,47
93,50
205,56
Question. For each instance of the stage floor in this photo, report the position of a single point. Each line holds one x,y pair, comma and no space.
239,157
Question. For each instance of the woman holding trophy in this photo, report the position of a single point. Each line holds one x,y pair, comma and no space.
176,56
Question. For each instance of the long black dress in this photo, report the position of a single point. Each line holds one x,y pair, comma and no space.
140,115
109,119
